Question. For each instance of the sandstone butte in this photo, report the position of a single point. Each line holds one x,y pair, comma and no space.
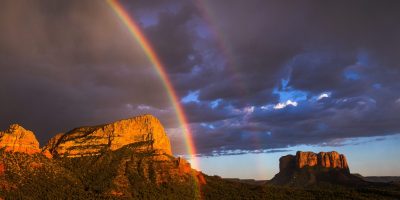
322,159
144,131
308,168
18,139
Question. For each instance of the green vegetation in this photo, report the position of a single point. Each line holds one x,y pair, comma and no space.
120,174
126,174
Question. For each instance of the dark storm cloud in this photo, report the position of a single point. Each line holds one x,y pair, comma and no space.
344,48
172,39
72,63
265,35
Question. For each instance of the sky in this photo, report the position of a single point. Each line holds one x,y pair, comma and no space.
257,79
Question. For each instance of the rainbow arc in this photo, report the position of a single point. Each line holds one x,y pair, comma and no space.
139,36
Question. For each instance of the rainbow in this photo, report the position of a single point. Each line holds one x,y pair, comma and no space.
137,33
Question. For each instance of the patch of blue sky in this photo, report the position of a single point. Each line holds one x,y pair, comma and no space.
360,152
215,103
290,94
284,82
322,96
208,125
351,75
193,96
287,96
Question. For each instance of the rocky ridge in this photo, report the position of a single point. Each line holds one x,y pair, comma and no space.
133,151
145,131
18,139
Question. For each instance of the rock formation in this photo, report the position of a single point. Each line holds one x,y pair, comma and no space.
323,159
143,136
145,132
52,143
306,168
118,159
18,139
185,167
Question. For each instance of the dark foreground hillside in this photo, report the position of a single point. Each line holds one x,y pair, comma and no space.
218,188
100,177
112,175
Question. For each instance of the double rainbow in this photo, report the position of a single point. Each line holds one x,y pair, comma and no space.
137,33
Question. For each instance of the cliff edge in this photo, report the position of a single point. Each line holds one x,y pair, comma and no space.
145,132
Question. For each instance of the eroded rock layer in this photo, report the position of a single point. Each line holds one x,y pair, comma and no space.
306,168
18,139
128,159
323,159
146,132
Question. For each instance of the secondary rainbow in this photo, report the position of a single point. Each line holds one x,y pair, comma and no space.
223,45
137,33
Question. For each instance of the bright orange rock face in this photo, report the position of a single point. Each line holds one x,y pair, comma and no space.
143,131
18,139
323,159
47,154
183,165
306,159
201,179
185,168
332,160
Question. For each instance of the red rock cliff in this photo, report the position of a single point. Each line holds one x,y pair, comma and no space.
144,131
307,168
18,139
322,159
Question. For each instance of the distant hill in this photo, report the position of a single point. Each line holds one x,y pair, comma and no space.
247,181
379,179
382,179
